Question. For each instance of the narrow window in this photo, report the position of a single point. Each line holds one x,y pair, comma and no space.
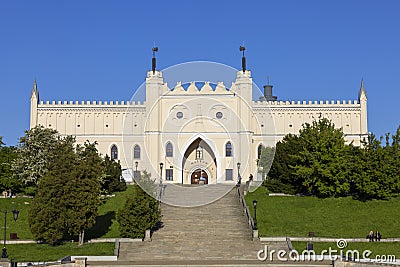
136,152
259,150
199,153
169,151
229,174
228,149
114,152
169,174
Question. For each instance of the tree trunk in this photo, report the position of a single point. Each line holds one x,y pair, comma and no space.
81,237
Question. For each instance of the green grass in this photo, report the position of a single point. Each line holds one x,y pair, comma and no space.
106,224
106,227
377,248
331,217
21,226
43,252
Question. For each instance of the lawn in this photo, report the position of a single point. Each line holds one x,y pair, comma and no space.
377,248
331,217
21,226
106,224
43,252
106,227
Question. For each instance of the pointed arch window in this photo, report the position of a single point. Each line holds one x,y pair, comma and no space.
259,151
114,152
199,152
228,149
169,150
136,152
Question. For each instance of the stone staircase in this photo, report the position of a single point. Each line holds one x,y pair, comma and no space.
214,232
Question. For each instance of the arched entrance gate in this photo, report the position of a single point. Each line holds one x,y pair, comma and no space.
199,164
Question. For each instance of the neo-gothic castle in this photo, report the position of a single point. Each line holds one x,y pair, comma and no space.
199,133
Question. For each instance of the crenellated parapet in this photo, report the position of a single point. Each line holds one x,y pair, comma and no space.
349,105
309,103
200,88
118,104
93,106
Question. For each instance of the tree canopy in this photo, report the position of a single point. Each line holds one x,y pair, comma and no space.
36,153
7,180
67,198
113,181
68,178
319,162
140,212
48,210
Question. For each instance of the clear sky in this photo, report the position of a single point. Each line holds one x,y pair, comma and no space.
101,50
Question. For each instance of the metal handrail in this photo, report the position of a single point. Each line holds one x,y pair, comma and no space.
245,209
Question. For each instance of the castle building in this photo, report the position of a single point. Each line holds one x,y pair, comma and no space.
195,133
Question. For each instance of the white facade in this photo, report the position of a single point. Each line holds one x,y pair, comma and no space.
199,134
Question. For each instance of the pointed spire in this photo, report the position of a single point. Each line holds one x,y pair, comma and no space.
34,85
362,94
35,92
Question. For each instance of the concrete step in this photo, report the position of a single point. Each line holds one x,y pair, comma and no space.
216,231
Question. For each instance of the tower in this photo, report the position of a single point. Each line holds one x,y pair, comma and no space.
34,104
155,86
244,81
362,98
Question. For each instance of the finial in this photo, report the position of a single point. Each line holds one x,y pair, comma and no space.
34,88
153,60
362,94
34,91
242,48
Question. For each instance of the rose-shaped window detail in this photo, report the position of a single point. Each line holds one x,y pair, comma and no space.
179,115
219,115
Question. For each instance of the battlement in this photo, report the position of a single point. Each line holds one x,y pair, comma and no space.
200,87
309,103
100,104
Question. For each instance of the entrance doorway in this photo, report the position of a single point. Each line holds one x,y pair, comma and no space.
199,176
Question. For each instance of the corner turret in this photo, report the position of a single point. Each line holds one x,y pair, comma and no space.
362,99
362,94
244,81
34,104
35,92
155,85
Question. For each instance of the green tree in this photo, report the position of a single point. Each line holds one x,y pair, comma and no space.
113,181
148,184
82,191
321,163
266,159
140,212
67,197
48,210
7,180
37,149
280,177
380,168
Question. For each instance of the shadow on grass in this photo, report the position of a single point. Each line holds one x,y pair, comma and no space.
102,225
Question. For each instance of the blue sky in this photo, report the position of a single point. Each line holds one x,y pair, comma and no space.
101,50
